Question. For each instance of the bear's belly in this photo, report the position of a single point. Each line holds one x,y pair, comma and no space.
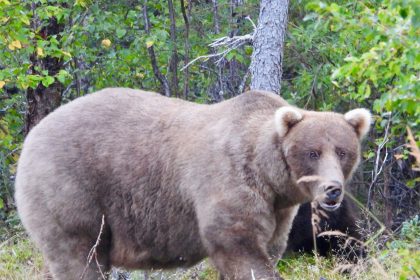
155,231
173,251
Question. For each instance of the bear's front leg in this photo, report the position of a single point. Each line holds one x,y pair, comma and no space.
237,244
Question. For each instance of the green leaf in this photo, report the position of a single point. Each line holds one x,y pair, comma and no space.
121,33
47,81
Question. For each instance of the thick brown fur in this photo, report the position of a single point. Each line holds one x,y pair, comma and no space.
348,247
176,181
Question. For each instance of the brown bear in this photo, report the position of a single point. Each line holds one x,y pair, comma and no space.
175,182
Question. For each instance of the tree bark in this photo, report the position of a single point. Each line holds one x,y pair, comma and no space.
216,16
161,78
43,100
266,61
173,64
186,16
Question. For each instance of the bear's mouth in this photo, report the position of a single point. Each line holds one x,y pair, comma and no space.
330,205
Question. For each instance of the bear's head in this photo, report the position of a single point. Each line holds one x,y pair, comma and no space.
321,149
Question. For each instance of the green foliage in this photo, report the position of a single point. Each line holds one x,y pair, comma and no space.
383,61
357,52
406,248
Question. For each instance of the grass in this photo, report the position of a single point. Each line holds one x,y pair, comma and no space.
19,259
395,259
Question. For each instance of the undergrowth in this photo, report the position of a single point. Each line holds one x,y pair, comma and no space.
398,258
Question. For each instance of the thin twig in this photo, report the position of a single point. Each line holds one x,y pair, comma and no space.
378,170
93,253
230,43
244,79
315,219
361,206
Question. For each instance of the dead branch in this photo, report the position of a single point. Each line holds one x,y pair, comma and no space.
93,254
368,212
379,166
227,43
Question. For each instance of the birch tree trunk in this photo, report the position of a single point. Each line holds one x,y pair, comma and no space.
266,62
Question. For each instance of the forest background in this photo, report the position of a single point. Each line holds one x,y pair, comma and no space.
337,55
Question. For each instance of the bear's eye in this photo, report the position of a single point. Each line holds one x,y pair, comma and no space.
341,154
314,155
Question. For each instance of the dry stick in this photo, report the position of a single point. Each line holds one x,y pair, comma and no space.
361,206
314,232
243,82
92,252
377,169
252,274
376,235
231,43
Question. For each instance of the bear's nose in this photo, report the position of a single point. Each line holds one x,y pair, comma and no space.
334,194
333,190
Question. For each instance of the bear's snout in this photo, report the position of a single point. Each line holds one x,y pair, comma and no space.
332,196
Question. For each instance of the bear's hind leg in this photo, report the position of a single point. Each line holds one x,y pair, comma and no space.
67,258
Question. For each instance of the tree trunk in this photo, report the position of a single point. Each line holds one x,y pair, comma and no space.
173,63
161,78
266,61
43,100
186,15
216,16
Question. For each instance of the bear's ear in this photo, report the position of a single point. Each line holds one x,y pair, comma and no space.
285,118
360,119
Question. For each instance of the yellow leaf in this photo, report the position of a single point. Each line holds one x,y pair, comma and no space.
80,3
106,43
15,157
149,44
25,20
399,156
39,51
140,75
66,53
15,45
415,150
2,83
24,85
